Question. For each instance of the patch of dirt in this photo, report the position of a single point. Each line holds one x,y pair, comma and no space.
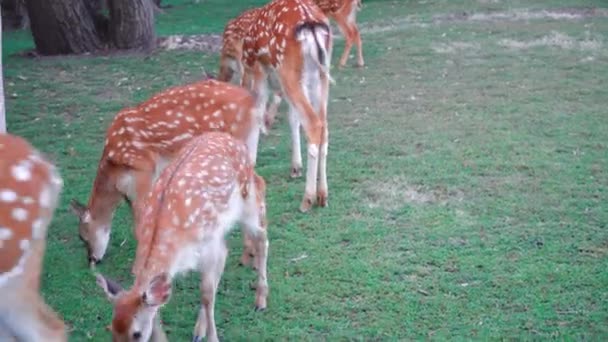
209,43
393,193
555,39
525,14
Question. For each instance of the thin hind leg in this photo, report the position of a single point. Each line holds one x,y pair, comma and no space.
313,128
211,276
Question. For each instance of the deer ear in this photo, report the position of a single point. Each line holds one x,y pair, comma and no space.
159,290
110,287
80,210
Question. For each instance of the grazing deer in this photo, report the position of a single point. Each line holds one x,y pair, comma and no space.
344,12
290,42
231,54
231,59
198,198
29,192
142,140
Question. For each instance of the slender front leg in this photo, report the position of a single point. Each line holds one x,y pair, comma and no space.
357,37
272,111
322,190
261,293
296,153
348,43
248,249
211,275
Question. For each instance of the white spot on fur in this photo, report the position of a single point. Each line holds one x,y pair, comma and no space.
5,234
8,196
19,214
21,172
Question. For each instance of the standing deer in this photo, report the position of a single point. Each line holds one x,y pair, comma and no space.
29,192
141,141
344,12
291,43
207,188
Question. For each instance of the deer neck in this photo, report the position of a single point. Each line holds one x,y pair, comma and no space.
104,197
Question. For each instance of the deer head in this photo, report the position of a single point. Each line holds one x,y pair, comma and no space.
94,234
135,311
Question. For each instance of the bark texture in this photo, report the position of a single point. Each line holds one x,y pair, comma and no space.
63,27
2,107
80,26
132,24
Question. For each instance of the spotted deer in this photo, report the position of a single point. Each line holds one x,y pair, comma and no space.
344,12
29,191
209,187
291,43
231,54
142,140
231,59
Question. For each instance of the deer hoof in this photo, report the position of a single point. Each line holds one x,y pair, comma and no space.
245,259
260,304
296,172
306,204
259,309
360,65
322,198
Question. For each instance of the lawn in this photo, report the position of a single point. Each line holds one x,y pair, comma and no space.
468,176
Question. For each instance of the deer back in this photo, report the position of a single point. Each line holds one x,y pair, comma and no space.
202,189
29,191
166,122
274,34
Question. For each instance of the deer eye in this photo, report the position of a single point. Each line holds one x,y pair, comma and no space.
137,335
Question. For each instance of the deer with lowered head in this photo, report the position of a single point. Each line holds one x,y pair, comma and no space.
231,59
29,191
209,187
142,140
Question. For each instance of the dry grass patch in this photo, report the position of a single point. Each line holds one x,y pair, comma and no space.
554,39
393,193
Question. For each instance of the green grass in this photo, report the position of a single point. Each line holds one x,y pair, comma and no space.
468,181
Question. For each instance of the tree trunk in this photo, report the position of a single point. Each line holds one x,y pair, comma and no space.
64,26
79,26
132,24
2,107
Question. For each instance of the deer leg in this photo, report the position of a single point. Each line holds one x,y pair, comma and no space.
322,189
313,128
296,153
213,267
252,142
256,233
272,112
356,36
261,292
248,249
341,20
33,320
